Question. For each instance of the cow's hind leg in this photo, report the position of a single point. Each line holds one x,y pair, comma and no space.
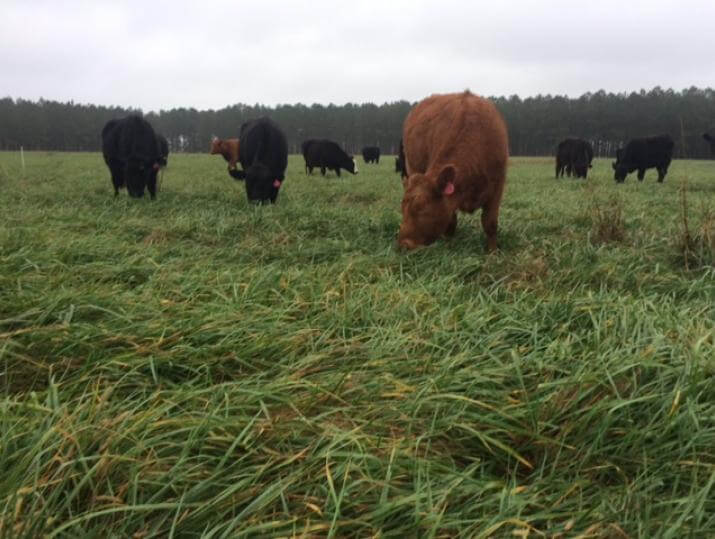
490,218
117,177
641,174
662,171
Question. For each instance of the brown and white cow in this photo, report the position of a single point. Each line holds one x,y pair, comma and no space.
228,148
456,152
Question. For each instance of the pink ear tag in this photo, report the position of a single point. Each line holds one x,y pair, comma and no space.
276,183
449,189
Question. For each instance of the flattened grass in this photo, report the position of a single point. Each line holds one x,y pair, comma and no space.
195,366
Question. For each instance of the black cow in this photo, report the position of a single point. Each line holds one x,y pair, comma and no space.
644,153
263,154
711,140
326,154
400,162
573,156
131,151
371,154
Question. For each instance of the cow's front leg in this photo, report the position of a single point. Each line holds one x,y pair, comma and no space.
452,227
151,184
641,174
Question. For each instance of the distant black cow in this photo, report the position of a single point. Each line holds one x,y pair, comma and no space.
711,139
132,153
400,162
371,154
263,154
644,153
573,156
326,154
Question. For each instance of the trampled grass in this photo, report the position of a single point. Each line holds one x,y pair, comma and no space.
196,366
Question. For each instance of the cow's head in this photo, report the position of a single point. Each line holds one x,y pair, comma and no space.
580,170
711,139
215,145
351,166
620,169
137,174
428,206
262,185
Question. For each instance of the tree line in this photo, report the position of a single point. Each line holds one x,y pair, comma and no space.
536,124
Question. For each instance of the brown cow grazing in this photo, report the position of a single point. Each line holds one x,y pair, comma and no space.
456,155
228,148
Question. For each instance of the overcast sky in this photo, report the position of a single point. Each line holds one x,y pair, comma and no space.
159,55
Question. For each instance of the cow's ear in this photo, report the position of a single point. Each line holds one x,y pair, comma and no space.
445,180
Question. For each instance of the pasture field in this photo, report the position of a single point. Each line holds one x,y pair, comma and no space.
195,366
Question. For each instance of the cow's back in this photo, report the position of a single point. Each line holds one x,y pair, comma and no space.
326,153
305,146
262,141
661,149
648,152
460,129
313,152
110,140
137,139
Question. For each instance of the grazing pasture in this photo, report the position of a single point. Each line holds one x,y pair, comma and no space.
198,365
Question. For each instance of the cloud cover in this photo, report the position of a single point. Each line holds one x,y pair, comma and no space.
162,55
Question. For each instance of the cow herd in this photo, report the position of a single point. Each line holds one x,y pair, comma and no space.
452,157
574,156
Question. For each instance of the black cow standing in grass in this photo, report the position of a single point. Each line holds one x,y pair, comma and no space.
132,153
573,156
371,154
263,154
711,139
326,154
643,153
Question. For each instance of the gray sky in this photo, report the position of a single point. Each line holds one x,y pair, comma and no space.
159,55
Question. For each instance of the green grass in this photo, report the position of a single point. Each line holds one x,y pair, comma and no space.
195,366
